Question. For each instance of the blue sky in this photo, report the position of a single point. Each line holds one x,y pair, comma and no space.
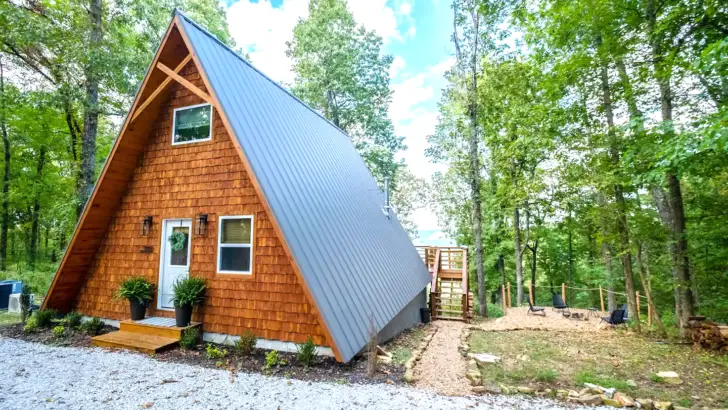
415,32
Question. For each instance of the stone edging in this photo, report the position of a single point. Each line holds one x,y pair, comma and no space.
409,365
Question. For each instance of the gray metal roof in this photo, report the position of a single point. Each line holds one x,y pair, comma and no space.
358,265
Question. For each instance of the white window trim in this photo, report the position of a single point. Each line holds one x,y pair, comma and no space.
220,245
174,122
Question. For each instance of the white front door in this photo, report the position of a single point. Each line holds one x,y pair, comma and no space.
175,258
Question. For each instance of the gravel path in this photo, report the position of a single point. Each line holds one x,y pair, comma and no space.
442,368
36,376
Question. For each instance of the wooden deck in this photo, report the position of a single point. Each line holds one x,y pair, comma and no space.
151,335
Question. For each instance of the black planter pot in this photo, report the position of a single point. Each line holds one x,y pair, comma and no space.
183,315
138,310
425,315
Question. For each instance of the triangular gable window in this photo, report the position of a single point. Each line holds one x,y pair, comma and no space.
192,124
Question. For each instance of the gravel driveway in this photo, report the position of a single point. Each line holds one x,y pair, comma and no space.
36,376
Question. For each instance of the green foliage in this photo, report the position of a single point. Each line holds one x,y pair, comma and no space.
177,240
73,320
495,311
588,376
306,352
547,375
93,326
49,46
59,331
44,318
189,291
190,338
245,346
273,359
31,326
136,288
215,353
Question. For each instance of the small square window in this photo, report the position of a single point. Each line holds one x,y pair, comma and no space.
192,124
235,245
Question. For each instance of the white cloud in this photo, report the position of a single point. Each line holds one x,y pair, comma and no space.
397,65
262,30
376,15
405,8
415,117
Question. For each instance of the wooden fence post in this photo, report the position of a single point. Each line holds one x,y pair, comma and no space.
601,298
503,297
637,297
508,294
649,314
563,292
530,293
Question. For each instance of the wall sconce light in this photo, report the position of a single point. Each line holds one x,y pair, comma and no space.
202,224
146,225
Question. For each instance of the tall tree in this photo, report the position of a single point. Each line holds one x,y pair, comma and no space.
341,72
6,173
467,18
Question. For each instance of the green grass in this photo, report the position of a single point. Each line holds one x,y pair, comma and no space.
9,318
547,375
403,345
567,360
588,376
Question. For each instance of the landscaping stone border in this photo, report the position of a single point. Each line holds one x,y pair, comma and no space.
409,365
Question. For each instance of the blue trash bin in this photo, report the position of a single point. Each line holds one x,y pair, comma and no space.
5,290
17,285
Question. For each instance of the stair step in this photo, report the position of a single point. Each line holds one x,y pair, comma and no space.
139,342
156,327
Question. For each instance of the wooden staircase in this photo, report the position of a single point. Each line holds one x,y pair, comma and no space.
151,335
449,296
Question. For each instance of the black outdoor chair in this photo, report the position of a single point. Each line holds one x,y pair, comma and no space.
615,318
559,304
535,310
626,312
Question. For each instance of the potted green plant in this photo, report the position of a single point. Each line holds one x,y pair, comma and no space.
139,291
187,293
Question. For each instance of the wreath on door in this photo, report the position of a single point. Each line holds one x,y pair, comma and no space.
177,241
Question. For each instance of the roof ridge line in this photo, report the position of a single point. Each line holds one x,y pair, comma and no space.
249,64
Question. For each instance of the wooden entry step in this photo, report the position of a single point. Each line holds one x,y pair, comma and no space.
156,326
135,341
151,335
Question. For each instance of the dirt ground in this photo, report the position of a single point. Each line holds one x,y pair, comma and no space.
519,319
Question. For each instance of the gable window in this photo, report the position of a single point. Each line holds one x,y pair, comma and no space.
235,245
192,124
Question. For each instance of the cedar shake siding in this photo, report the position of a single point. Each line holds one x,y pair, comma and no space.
183,181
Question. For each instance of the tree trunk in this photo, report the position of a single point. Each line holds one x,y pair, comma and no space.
622,225
642,261
571,258
676,223
35,215
87,175
518,255
6,175
534,252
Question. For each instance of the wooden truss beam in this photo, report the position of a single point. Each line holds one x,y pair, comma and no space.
161,87
186,83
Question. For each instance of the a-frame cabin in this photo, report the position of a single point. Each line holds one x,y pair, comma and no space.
295,243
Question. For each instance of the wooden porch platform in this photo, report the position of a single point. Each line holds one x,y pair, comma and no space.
151,335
